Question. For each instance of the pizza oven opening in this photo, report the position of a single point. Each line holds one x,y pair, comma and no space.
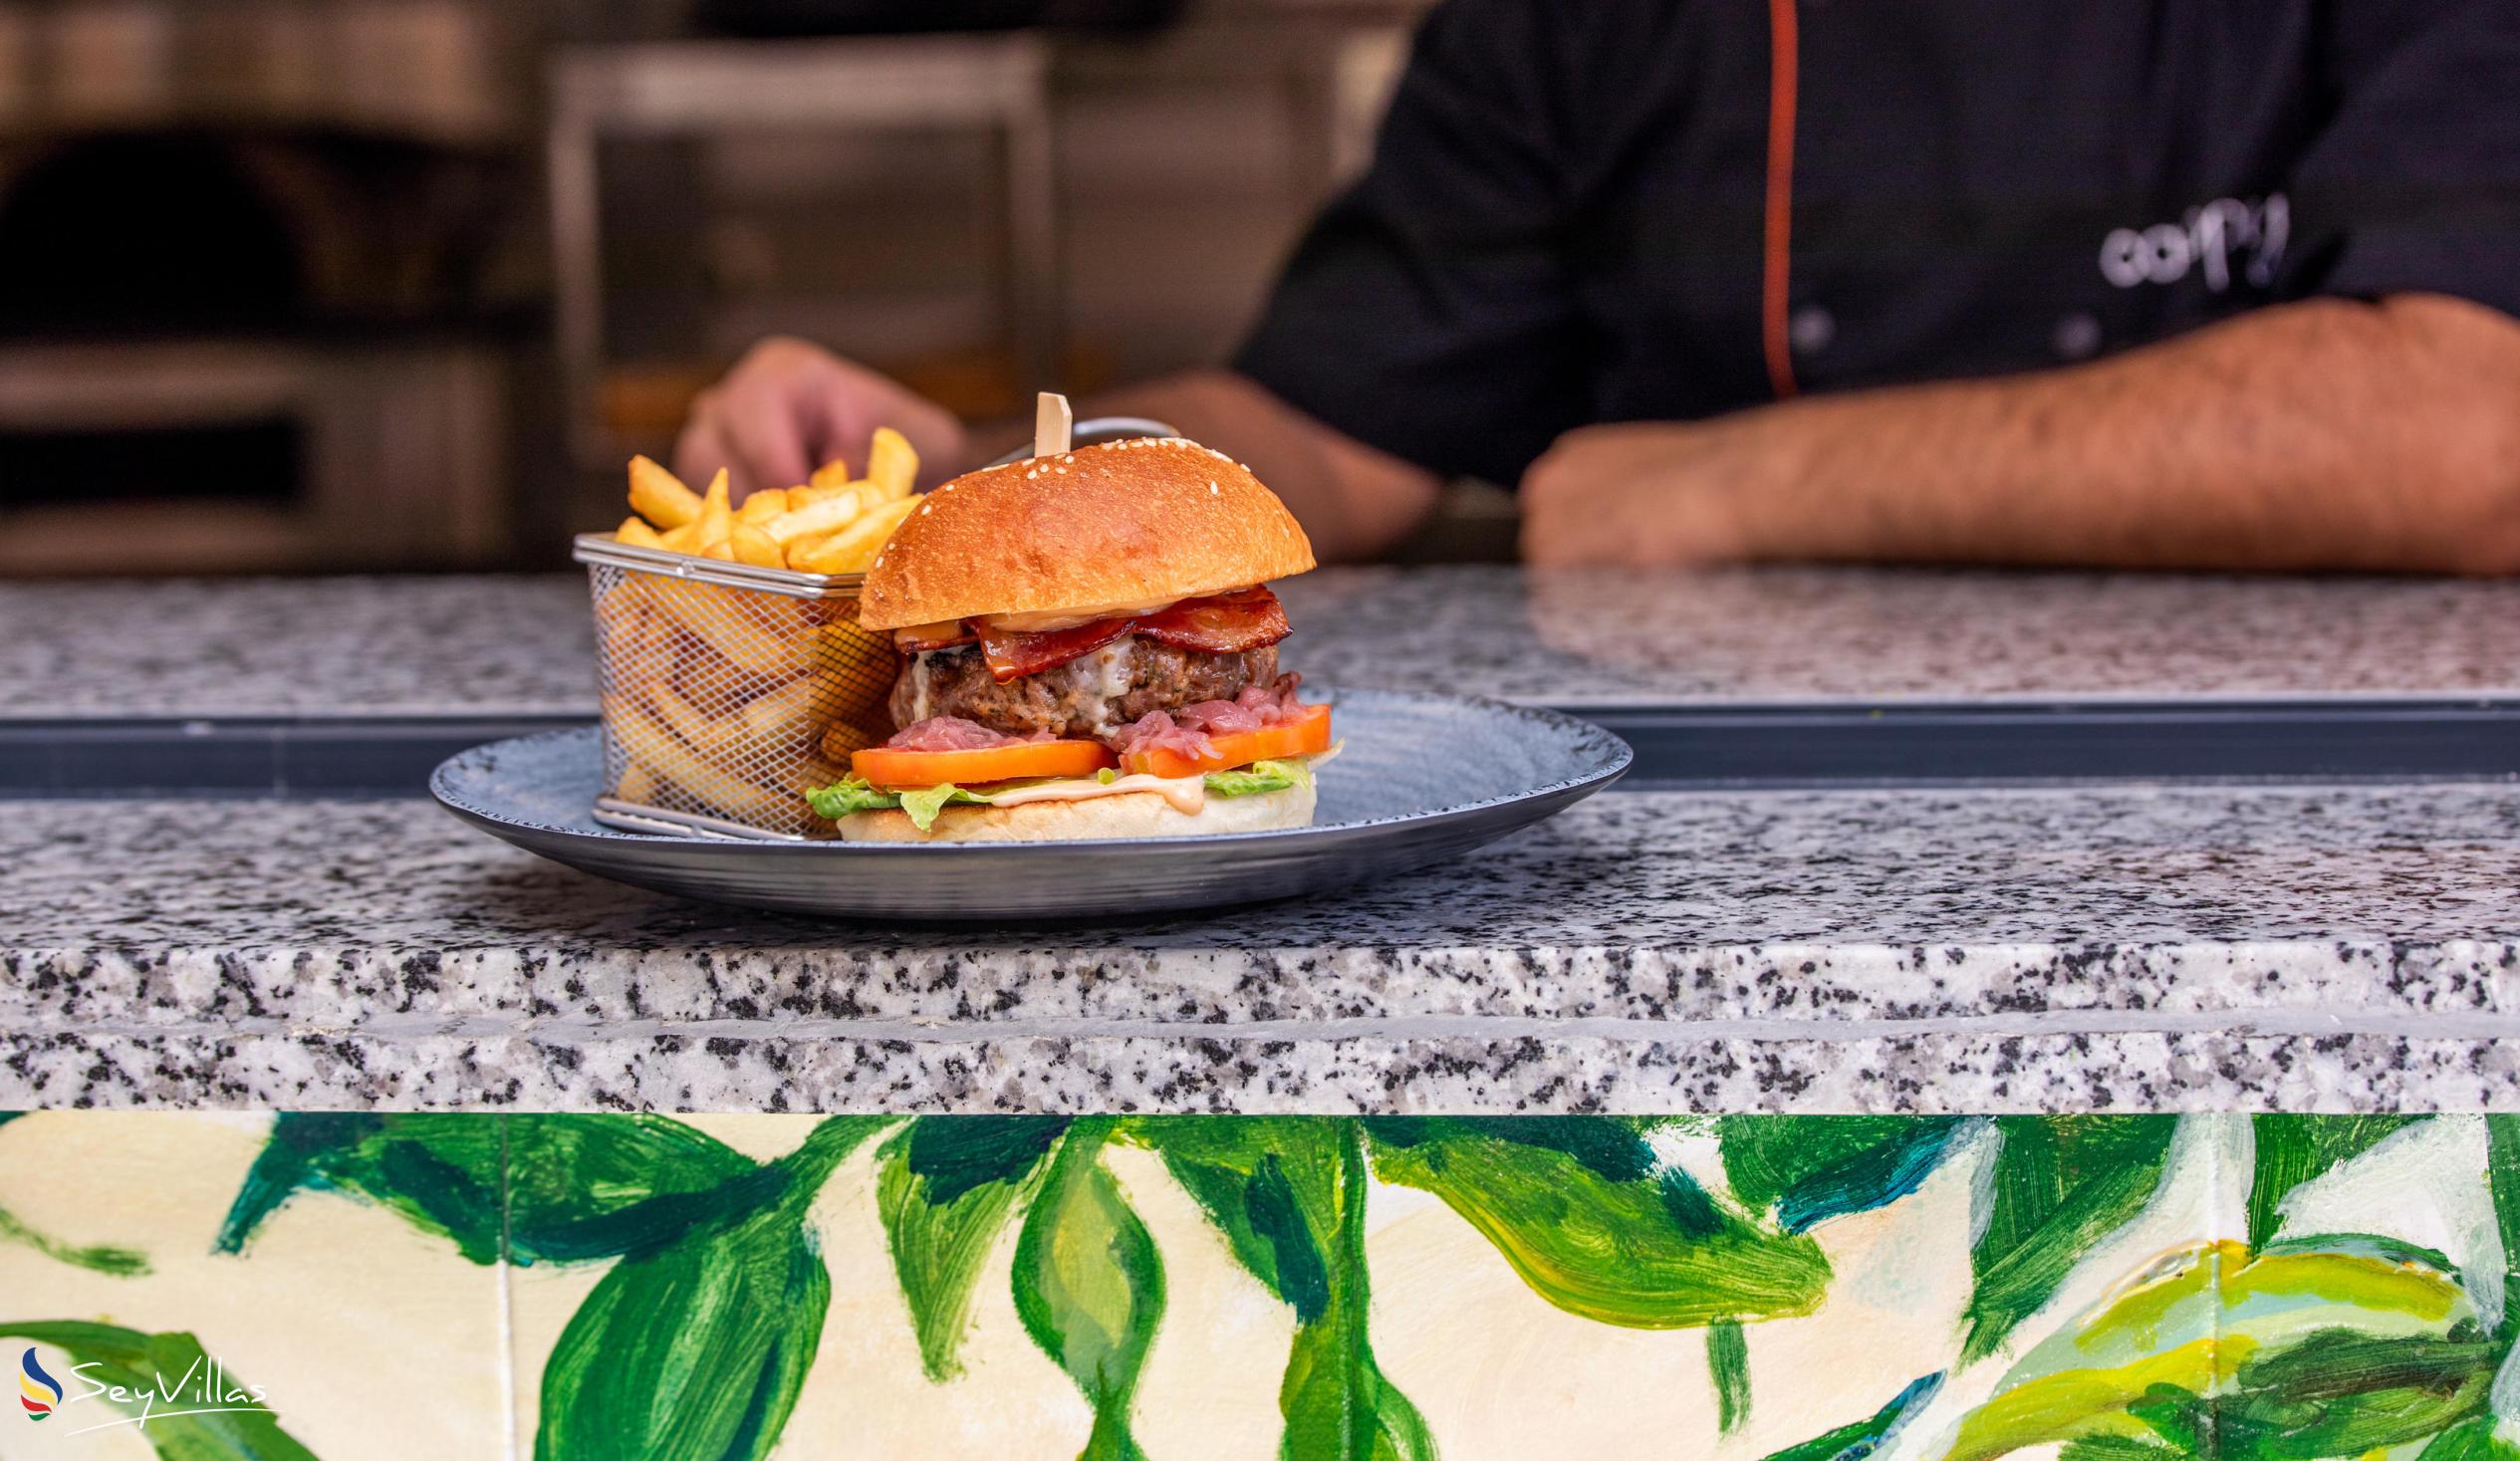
118,235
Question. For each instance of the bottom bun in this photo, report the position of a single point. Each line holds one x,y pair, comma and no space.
1135,814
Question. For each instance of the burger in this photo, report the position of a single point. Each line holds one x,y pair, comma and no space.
1089,649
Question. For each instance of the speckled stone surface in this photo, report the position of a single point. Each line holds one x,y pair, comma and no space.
2298,948
1763,636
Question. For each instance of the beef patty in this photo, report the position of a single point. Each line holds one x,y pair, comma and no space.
1086,699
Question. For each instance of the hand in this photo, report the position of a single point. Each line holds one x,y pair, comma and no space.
788,406
1641,494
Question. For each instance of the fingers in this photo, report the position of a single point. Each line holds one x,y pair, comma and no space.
698,452
788,406
765,431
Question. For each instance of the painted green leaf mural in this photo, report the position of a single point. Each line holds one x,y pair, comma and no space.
1289,1196
2470,1440
2292,1150
2059,1185
1812,1169
596,1186
691,1352
695,1351
175,1374
1597,1223
946,1187
1858,1439
1089,1286
1728,1361
577,1186
103,1258
2292,1353
2502,1184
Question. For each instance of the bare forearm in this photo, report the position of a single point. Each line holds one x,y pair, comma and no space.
2326,435
1353,501
2322,435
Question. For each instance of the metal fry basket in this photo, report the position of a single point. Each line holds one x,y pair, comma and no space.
728,690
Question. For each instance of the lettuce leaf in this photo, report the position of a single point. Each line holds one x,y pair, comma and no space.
853,793
925,804
1258,777
850,794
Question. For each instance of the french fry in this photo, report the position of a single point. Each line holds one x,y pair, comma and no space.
636,532
783,712
892,464
665,755
722,618
833,473
716,518
762,506
853,547
685,539
817,519
639,784
842,737
844,652
722,550
754,547
660,496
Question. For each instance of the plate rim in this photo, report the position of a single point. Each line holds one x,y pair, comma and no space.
1622,760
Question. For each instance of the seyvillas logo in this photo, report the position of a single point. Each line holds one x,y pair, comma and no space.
39,1392
204,1388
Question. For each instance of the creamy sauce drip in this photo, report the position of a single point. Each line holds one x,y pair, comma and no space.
1187,794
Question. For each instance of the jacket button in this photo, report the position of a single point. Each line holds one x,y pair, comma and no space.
2077,336
1811,330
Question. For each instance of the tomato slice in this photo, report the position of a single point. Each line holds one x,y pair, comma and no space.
1304,735
902,769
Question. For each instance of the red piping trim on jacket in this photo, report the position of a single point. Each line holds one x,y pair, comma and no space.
1777,247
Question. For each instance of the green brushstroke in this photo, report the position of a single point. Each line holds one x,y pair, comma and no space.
2470,1440
2503,1180
696,1350
1861,1438
2292,1150
1728,1361
576,1186
1812,1169
2059,1185
2123,1448
946,1188
220,1429
2283,1356
119,1262
1596,1223
1089,1287
1288,1194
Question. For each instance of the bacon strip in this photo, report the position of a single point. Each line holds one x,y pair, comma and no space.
1225,623
1013,654
1221,624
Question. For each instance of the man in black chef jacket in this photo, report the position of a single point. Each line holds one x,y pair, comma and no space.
2154,283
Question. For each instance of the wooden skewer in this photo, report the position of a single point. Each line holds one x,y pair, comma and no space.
1054,424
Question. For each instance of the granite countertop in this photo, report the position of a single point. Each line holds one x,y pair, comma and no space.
494,647
2082,949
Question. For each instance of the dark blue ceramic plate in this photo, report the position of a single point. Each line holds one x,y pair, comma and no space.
1423,777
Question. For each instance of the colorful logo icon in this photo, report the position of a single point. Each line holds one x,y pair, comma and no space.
39,1392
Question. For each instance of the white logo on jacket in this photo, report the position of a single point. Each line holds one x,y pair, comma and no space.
2213,237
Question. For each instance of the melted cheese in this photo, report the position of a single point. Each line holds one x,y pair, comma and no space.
918,674
1187,794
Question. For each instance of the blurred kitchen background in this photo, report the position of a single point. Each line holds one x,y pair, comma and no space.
400,284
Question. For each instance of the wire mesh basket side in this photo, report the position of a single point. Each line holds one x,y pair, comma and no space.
731,701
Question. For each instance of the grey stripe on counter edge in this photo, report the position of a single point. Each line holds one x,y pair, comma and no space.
2281,1024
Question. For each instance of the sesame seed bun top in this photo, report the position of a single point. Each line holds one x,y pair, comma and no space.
1139,522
